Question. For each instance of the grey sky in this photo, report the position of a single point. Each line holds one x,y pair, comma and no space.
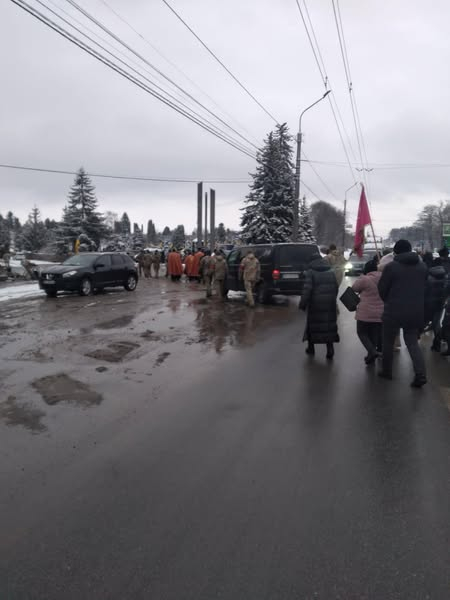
61,109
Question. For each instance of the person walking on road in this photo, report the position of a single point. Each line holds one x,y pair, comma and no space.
147,261
250,272
402,289
337,262
445,332
188,263
435,296
207,265
156,262
174,265
369,311
220,275
319,300
140,261
195,272
443,260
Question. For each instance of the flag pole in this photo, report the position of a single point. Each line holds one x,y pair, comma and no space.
373,231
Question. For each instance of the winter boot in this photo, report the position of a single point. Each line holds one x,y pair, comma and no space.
330,350
310,349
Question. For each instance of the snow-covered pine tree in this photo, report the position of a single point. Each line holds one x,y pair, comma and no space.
179,237
125,224
305,229
34,232
221,233
268,216
80,216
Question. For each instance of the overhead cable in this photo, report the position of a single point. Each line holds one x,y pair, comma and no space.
219,61
85,47
152,83
174,66
325,80
354,106
130,49
127,177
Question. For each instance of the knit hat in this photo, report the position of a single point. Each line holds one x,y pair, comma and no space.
402,246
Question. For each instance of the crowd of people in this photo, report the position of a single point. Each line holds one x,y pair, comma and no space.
398,291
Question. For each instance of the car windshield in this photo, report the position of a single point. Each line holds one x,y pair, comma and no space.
80,260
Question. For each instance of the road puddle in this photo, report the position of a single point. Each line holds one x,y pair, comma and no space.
14,414
114,352
62,388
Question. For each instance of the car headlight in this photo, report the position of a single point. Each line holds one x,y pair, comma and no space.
348,267
70,273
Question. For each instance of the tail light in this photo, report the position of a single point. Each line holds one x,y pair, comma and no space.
276,274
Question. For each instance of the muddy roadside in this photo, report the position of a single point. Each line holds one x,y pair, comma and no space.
109,352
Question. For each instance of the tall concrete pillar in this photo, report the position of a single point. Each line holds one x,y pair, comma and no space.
212,213
199,213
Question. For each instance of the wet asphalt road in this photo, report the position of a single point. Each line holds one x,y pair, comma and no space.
158,446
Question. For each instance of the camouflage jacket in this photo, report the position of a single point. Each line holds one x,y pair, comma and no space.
221,267
250,268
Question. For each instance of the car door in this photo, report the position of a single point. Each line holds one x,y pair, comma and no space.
234,261
118,269
103,271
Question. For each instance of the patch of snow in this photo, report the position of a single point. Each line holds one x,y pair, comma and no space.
16,292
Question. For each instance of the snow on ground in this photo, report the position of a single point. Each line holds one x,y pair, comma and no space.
16,292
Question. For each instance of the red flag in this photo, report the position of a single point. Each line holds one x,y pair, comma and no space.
362,220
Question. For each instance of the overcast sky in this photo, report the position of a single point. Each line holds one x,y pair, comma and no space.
60,108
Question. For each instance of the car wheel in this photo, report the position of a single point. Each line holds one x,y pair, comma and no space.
86,287
51,293
262,294
131,283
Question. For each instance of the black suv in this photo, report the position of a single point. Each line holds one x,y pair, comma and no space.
89,271
283,268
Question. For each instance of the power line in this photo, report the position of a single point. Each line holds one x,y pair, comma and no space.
85,47
325,80
311,191
126,177
354,107
130,49
188,108
175,66
319,177
219,61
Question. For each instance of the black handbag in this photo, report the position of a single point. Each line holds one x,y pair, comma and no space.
350,299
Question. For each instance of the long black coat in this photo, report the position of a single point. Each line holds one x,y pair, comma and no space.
436,291
402,289
319,299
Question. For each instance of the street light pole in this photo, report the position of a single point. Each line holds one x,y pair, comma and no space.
345,213
297,169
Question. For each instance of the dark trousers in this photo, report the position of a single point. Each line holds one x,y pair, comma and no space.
410,335
436,324
369,335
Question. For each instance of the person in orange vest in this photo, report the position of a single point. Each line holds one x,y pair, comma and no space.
195,273
188,264
174,265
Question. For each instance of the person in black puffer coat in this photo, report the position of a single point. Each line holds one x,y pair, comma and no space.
435,296
319,299
402,289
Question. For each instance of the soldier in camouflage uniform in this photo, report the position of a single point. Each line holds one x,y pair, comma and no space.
250,271
147,264
220,274
207,264
156,261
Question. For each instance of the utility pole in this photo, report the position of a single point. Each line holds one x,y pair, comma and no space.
212,226
297,169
